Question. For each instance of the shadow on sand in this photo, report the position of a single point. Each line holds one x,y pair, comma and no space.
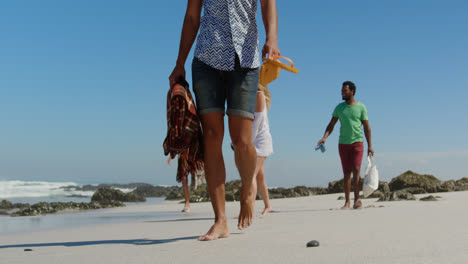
179,220
136,242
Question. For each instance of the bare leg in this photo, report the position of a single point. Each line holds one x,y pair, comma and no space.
240,129
186,195
347,190
261,183
357,187
215,173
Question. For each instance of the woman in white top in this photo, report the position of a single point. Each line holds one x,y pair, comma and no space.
263,143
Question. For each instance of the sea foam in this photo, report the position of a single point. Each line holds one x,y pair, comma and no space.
16,189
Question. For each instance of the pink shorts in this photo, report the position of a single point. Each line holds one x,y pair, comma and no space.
351,156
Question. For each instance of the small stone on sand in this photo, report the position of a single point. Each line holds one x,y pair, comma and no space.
313,243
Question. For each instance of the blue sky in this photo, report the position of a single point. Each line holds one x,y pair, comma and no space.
83,87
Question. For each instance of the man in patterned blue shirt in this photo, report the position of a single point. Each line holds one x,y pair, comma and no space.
225,69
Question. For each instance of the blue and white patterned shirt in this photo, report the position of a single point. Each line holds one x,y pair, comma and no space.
227,28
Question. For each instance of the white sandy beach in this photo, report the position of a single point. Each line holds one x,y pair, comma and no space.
399,232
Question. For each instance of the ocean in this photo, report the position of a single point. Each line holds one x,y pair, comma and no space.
39,191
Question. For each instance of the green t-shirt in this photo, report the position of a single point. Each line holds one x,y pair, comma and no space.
351,117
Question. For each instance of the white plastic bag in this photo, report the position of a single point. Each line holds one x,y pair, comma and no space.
371,180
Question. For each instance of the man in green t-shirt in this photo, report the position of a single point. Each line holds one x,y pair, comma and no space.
352,115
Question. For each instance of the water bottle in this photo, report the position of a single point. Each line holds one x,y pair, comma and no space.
321,147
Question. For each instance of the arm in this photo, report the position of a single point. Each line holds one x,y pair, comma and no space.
328,131
260,102
189,33
367,133
270,21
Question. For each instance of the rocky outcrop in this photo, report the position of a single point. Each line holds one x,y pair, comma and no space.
338,186
156,191
142,189
461,185
428,198
200,194
414,190
6,205
43,208
397,196
382,191
448,186
411,179
104,197
232,189
107,194
175,195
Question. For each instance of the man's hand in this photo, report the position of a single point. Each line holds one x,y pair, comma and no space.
270,48
322,141
177,74
370,151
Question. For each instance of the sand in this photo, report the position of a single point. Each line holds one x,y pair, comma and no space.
398,232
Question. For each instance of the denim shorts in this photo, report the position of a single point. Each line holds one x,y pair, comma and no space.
214,87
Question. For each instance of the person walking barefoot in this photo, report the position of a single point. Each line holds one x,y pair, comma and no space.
263,143
225,68
353,116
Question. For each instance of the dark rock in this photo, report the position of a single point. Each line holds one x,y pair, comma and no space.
318,190
447,186
313,243
375,194
428,198
109,204
5,204
381,191
411,179
232,192
233,186
397,196
107,194
341,197
461,185
156,191
43,208
175,195
230,197
275,193
198,199
302,191
144,186
134,198
402,195
383,187
338,186
21,205
414,190
201,192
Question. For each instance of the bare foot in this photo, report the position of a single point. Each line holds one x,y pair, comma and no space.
218,230
266,211
186,209
347,205
357,204
247,207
